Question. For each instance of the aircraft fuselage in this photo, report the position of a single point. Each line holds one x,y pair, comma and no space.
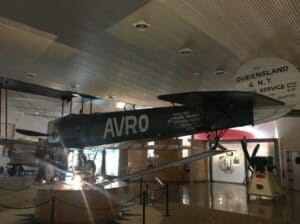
80,130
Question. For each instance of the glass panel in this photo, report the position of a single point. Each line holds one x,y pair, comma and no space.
112,162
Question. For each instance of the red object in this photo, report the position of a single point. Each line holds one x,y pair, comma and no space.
230,134
260,175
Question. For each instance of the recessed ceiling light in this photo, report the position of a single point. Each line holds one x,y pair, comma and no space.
30,75
36,112
110,97
145,94
220,71
75,95
196,73
141,25
185,51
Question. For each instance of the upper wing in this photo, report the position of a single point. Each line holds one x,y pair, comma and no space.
293,113
25,87
211,98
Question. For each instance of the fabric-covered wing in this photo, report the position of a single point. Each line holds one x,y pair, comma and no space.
25,87
293,113
210,99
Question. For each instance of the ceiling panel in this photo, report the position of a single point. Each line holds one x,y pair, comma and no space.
93,43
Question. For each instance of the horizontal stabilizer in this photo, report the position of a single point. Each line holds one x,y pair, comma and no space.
209,99
293,113
4,141
31,133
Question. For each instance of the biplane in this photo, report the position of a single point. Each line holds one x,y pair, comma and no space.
189,113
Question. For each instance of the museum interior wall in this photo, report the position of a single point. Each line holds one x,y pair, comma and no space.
193,171
289,139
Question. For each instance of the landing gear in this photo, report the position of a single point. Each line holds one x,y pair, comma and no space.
12,171
15,170
90,167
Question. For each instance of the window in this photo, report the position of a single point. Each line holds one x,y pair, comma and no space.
186,142
150,155
112,162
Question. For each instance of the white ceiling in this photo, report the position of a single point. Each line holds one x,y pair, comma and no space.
94,44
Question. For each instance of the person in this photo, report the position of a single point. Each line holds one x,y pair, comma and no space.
82,159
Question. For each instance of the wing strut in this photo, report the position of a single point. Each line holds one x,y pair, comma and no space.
4,83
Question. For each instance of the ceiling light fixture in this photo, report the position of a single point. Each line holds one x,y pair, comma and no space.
141,25
185,51
196,73
74,85
110,97
75,95
30,75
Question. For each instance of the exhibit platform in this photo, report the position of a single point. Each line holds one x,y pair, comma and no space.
189,203
72,202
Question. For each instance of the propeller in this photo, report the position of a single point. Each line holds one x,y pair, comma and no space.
248,157
31,133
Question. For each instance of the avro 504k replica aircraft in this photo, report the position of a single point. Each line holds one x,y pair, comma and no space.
191,112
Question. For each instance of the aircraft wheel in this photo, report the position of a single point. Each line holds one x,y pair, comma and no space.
12,171
90,167
20,171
